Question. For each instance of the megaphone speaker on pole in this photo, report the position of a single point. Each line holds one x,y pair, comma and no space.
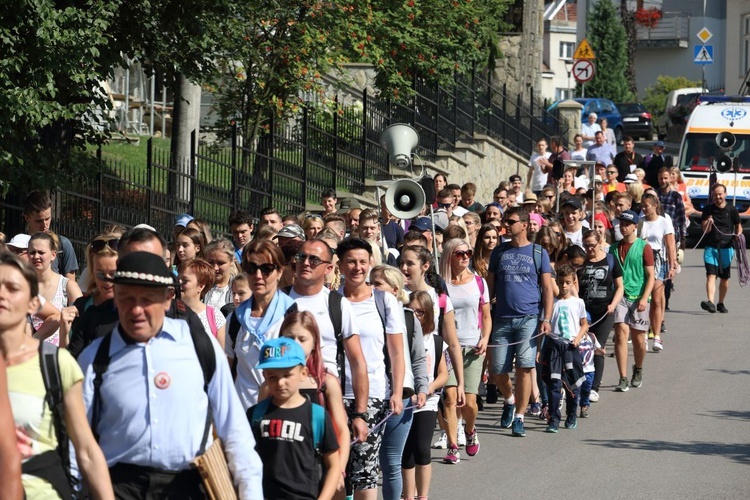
399,140
725,140
405,199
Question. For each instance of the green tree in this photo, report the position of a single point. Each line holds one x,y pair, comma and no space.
51,99
631,31
656,94
608,38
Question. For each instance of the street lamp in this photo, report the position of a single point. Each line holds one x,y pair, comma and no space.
569,69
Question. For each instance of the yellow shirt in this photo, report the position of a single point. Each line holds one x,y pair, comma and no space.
33,415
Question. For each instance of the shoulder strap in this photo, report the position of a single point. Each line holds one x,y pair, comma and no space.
64,286
100,365
234,331
442,302
318,425
480,284
211,317
204,349
334,311
438,354
409,320
259,411
50,365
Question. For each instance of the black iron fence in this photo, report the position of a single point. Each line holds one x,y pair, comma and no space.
323,146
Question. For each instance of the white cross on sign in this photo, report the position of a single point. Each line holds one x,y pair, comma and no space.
583,70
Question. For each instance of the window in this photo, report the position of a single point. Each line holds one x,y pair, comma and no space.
567,49
562,94
745,44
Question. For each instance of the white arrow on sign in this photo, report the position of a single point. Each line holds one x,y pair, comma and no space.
583,70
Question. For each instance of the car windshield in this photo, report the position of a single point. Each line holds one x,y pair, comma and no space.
630,107
699,151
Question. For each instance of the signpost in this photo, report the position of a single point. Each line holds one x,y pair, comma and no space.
584,68
704,54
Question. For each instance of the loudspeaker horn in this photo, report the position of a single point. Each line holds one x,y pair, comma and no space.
399,140
723,164
404,199
725,140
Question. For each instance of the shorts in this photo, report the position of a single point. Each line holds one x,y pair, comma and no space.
363,469
509,331
627,312
718,261
661,266
472,371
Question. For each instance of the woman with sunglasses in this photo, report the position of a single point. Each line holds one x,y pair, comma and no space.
471,301
487,239
312,225
54,288
195,277
259,317
600,286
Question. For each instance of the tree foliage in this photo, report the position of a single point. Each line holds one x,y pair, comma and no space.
656,94
608,38
50,73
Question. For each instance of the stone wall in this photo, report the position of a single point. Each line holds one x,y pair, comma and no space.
520,66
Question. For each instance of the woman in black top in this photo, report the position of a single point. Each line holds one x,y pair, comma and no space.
601,288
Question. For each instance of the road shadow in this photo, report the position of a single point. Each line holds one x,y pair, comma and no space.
689,313
728,372
738,452
740,415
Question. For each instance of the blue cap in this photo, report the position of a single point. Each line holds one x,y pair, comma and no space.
183,220
629,216
281,353
659,144
423,224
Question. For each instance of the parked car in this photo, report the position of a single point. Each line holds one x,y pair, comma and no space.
664,121
604,108
636,120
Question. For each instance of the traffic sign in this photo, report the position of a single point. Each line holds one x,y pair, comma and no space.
583,70
584,51
704,54
704,35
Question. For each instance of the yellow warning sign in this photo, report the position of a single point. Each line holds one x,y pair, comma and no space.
584,51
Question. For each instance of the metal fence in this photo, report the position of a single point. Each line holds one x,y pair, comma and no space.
291,163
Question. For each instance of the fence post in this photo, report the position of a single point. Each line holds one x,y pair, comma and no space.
335,141
306,142
473,100
505,110
149,184
363,129
235,173
193,170
518,119
99,188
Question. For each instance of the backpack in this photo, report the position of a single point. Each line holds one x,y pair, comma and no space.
318,421
45,465
204,350
379,297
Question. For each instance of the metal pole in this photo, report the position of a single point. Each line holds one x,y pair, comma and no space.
164,109
127,98
152,98
434,238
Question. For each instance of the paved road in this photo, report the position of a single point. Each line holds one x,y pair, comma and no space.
685,434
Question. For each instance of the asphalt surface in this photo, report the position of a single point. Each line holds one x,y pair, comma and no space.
685,434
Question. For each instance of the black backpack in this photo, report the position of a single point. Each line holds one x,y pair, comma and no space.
54,466
203,348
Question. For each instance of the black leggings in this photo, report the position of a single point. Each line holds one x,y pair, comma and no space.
417,448
601,330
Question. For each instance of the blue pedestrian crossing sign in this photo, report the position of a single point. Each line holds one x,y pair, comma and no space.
704,54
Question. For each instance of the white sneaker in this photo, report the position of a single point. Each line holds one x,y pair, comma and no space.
594,397
441,443
461,435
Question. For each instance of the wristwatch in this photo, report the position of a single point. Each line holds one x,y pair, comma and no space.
362,415
546,321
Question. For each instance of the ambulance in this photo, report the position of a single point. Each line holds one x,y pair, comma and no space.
717,140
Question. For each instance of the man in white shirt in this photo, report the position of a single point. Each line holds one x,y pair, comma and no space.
311,265
536,179
589,130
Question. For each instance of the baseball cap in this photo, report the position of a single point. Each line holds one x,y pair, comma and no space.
281,353
629,216
423,224
598,178
183,220
19,241
573,202
659,144
630,178
292,231
142,269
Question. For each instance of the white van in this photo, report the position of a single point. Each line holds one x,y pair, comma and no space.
664,122
700,153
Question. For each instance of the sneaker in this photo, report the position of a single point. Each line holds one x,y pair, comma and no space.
594,396
441,443
518,429
663,326
709,306
720,307
571,422
658,345
506,419
650,334
472,443
544,414
461,435
637,379
491,394
453,456
584,411
623,385
552,426
535,409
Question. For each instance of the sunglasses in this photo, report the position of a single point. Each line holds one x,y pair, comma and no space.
265,269
98,245
18,251
313,216
461,254
444,205
510,222
611,172
549,196
105,276
315,261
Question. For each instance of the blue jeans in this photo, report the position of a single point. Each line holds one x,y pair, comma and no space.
395,432
509,331
586,389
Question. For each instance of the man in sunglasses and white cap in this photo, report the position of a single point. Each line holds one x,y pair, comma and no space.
150,365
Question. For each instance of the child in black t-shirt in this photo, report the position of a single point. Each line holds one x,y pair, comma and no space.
290,431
